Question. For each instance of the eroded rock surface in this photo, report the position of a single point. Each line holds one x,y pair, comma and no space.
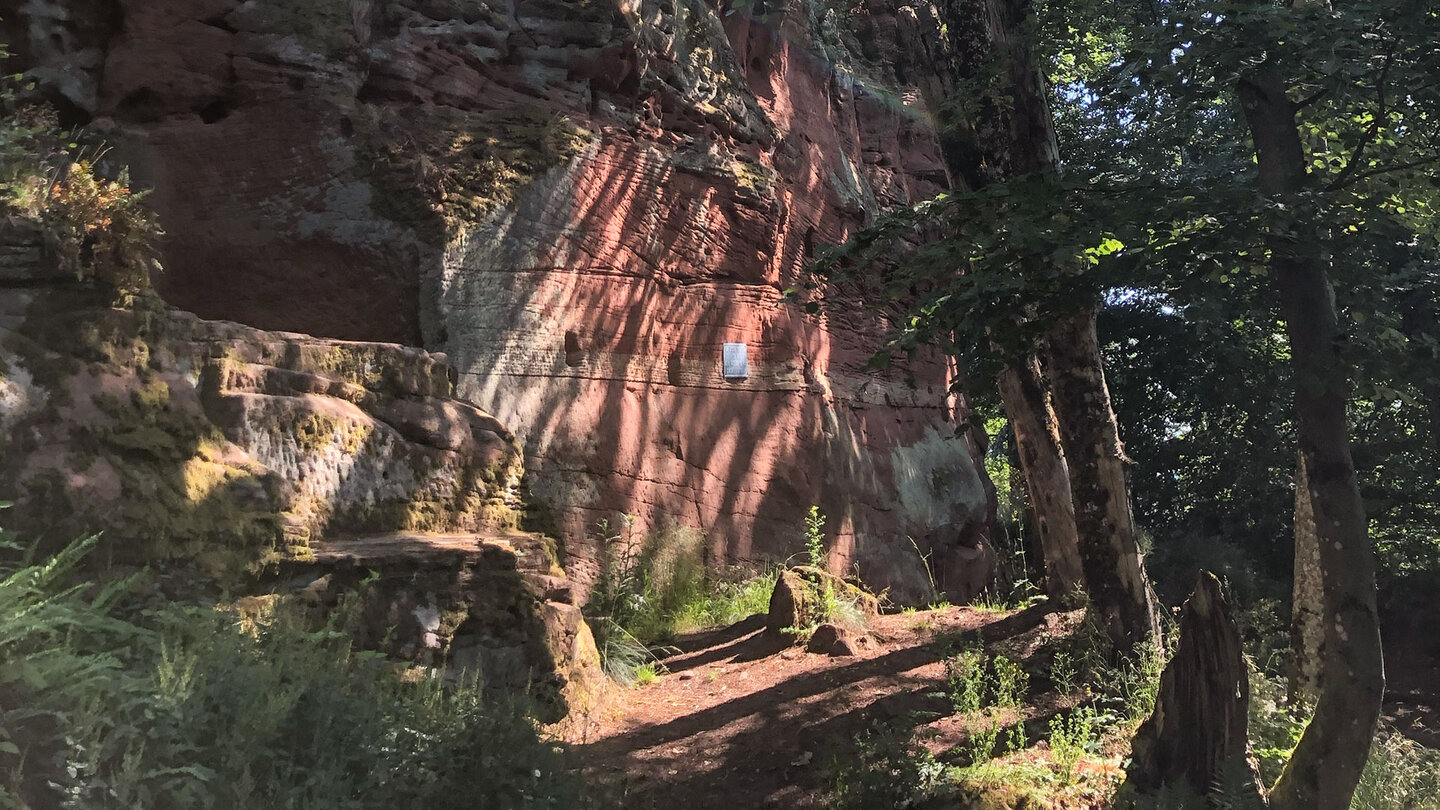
234,460
579,202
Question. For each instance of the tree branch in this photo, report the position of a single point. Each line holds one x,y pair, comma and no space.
1398,167
1348,172
1308,100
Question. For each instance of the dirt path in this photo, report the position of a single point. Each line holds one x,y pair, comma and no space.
741,720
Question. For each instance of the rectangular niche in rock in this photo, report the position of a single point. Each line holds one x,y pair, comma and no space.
734,364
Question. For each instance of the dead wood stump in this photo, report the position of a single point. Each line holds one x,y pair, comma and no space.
1199,726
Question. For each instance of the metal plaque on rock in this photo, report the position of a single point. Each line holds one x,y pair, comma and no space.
734,363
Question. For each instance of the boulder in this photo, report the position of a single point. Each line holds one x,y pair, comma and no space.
789,604
832,639
797,599
281,467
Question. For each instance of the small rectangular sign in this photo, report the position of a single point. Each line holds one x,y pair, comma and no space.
735,365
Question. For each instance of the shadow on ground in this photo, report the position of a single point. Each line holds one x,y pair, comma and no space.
743,719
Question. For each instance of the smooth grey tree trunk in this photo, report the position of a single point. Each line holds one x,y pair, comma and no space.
1120,593
1326,765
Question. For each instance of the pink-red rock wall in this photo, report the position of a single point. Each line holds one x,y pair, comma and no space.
579,202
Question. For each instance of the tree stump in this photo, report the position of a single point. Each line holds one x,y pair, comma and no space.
1199,727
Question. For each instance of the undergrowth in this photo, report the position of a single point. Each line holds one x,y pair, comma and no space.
108,703
653,588
1079,761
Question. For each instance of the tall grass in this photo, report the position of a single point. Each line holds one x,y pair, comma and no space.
653,588
189,706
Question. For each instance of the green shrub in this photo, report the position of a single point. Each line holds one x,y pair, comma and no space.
815,539
1071,737
965,679
96,226
1063,672
887,769
976,682
191,706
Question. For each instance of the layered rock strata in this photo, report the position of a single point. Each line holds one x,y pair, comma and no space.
234,460
580,203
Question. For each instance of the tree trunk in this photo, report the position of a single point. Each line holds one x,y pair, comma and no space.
1109,554
1120,593
1327,764
1307,625
1047,481
1198,732
1013,135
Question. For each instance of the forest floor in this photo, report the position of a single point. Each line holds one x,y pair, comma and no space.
741,718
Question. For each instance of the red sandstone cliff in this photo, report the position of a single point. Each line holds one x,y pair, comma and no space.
579,202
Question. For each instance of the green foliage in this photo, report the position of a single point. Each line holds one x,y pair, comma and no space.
887,769
96,226
815,551
1012,683
1063,672
102,230
965,679
982,742
1157,212
1013,587
1275,726
1072,736
1401,774
622,656
189,706
825,602
649,589
976,682
1198,386
725,602
815,539
646,674
1123,691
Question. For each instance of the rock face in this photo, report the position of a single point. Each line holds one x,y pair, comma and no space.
580,203
258,462
491,606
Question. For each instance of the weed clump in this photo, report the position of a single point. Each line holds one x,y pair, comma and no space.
808,596
93,224
652,588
